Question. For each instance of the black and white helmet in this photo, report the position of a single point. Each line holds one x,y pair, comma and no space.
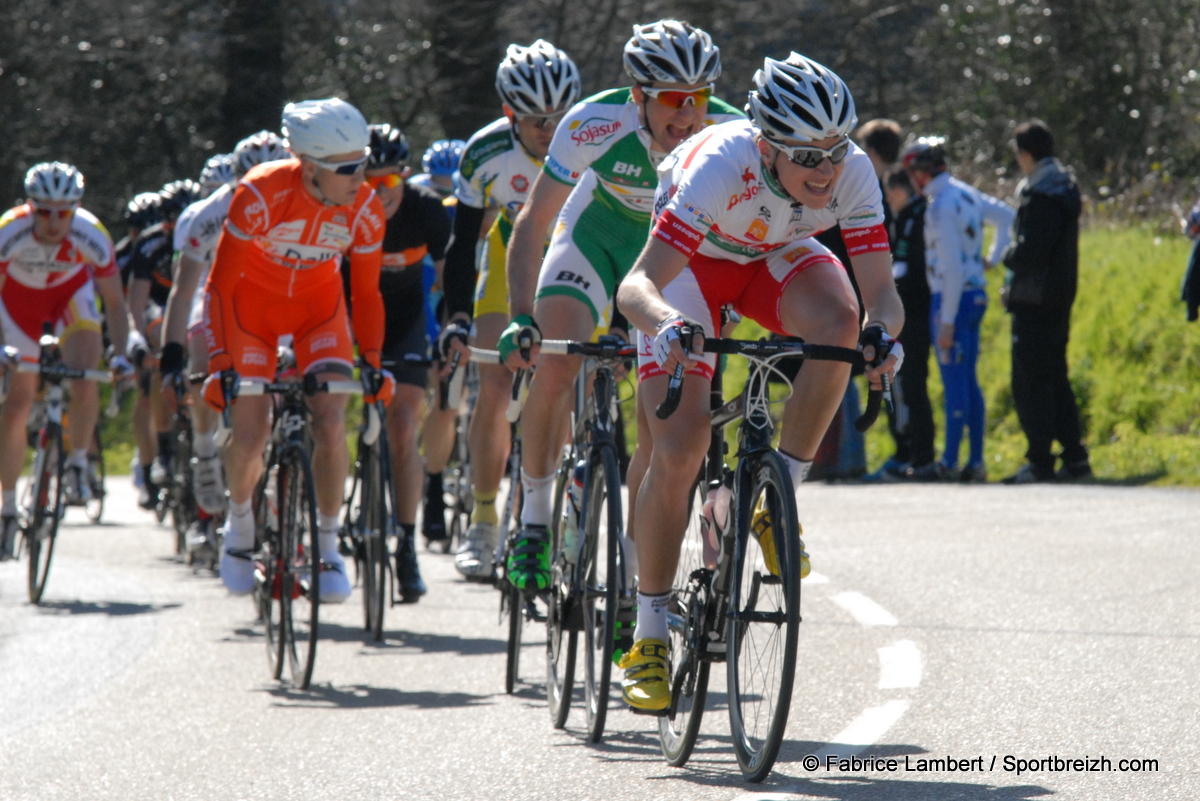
539,79
258,149
143,210
671,51
389,148
926,153
800,100
323,128
54,182
217,172
177,196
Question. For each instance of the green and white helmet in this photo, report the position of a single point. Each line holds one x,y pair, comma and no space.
671,51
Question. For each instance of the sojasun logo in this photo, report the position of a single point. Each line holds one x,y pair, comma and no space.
593,130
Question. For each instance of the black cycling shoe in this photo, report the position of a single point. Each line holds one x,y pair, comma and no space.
408,575
433,520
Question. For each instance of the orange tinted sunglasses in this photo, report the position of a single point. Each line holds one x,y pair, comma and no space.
61,214
391,181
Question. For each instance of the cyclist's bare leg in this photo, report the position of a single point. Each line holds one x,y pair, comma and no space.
551,393
81,351
488,437
204,418
679,445
251,425
818,305
14,414
402,418
331,454
437,435
638,462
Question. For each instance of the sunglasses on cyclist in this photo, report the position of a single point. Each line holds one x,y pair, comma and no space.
343,167
47,213
389,181
678,98
543,121
810,157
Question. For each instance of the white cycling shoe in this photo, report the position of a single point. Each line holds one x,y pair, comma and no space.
208,483
335,584
237,571
474,557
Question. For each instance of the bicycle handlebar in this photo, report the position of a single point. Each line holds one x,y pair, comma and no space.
62,372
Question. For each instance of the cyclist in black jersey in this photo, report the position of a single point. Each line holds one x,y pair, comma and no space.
418,228
149,285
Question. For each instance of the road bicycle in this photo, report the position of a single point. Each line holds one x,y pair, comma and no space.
177,497
590,586
287,564
43,504
726,604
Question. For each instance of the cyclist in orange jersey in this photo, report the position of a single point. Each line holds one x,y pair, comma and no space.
276,272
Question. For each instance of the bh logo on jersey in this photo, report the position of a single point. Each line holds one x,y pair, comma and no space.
628,170
568,277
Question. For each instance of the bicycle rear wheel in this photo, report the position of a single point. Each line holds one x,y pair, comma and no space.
678,729
45,511
180,497
601,568
764,619
95,475
301,586
562,626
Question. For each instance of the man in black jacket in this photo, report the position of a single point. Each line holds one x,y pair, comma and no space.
1043,263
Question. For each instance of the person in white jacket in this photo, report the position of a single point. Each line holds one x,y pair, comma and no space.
954,221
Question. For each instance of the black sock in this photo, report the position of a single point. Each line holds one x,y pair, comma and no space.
166,447
433,490
149,482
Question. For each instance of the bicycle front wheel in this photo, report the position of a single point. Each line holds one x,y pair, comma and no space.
562,629
95,475
45,512
764,618
601,565
301,585
375,516
678,729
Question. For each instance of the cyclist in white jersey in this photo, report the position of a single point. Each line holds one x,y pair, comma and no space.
183,322
498,167
737,209
599,182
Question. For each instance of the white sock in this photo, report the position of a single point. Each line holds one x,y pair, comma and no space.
204,444
796,468
327,533
239,529
78,458
652,617
537,500
9,507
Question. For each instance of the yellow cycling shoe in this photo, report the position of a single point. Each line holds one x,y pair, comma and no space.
647,683
760,527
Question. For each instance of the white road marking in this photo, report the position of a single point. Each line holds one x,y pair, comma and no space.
899,666
816,578
865,730
864,610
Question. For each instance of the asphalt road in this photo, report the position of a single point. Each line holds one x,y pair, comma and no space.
942,622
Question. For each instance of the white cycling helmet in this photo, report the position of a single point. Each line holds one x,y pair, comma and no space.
800,100
324,128
258,149
539,79
217,172
671,51
54,182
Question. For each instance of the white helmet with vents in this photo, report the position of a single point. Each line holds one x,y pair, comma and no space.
217,172
539,79
800,100
258,149
671,51
54,182
324,128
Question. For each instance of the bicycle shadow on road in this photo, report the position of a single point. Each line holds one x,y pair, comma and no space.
403,642
364,696
110,608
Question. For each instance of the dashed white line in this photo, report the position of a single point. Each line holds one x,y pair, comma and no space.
865,730
899,666
864,610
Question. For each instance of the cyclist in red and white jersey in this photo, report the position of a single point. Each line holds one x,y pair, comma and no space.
54,258
737,207
277,272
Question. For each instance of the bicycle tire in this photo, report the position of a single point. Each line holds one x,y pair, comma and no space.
679,728
46,510
763,620
512,600
376,514
601,524
180,497
562,630
96,475
300,591
516,625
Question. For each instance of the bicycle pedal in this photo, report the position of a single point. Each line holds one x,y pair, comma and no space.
651,713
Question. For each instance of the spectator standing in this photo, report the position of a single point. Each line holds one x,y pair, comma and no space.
1043,265
954,220
1190,294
